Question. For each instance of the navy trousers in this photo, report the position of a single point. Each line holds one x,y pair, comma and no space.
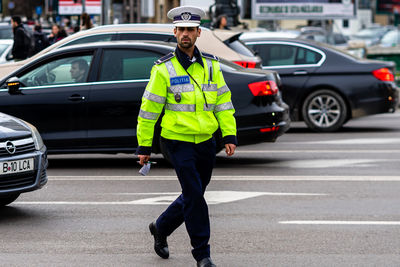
193,165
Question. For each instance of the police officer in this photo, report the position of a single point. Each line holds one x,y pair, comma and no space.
190,87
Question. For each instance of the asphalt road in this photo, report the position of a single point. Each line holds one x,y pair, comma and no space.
309,199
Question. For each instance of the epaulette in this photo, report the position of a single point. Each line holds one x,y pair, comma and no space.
209,56
165,58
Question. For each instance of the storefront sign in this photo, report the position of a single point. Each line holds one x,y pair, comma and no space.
71,7
303,9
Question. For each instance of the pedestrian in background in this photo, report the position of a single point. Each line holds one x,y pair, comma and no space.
190,87
86,22
41,41
57,33
222,22
22,40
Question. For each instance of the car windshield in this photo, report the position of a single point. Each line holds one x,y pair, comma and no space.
368,33
3,48
6,33
240,47
391,38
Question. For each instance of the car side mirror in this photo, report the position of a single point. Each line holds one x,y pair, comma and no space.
13,85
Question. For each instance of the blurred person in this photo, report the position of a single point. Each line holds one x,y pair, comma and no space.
41,41
86,22
54,34
22,40
57,33
222,22
62,34
79,70
76,28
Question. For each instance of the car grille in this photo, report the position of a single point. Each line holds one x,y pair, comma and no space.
22,146
19,180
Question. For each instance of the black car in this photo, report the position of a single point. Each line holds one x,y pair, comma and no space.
100,114
326,87
23,159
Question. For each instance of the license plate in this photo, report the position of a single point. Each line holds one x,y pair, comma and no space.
16,166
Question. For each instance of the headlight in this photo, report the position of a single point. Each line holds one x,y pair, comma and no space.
37,139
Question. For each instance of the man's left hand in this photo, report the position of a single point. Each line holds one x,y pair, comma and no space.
230,149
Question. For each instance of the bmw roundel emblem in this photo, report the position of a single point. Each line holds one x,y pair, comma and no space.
10,147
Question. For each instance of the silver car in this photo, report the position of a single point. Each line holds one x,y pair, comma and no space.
23,159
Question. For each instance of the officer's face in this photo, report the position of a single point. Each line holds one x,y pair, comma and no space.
187,36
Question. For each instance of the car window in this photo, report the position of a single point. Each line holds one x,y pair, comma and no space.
306,56
65,70
90,39
148,36
125,64
276,54
3,48
240,47
6,32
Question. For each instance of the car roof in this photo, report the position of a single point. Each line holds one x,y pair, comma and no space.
207,41
6,41
124,43
268,34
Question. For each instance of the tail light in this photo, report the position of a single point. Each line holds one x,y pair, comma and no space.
271,129
246,64
263,88
384,74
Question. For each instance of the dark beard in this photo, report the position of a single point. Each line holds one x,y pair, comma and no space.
186,45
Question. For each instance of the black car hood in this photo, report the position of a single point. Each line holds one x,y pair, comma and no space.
11,127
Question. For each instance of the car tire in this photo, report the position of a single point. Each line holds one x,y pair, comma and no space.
324,111
4,201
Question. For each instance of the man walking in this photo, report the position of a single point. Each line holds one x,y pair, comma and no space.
190,86
22,42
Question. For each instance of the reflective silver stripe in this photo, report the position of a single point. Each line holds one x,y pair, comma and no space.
222,90
148,115
171,69
224,106
209,87
210,107
180,88
180,107
153,97
209,65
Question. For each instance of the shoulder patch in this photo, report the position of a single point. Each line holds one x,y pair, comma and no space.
210,56
165,58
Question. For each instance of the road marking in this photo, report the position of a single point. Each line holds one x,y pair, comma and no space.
357,141
110,178
319,151
212,197
323,163
319,222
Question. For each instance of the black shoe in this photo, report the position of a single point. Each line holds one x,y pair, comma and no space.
206,262
160,242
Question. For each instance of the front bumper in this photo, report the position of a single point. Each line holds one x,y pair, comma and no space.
26,181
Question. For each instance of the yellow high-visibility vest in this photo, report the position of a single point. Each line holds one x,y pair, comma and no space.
188,117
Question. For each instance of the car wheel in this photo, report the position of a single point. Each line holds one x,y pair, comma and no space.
4,201
324,111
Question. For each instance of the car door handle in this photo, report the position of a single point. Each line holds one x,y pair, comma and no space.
76,98
300,72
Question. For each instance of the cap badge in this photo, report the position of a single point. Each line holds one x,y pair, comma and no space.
186,16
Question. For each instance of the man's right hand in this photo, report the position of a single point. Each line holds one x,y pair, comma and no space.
143,159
